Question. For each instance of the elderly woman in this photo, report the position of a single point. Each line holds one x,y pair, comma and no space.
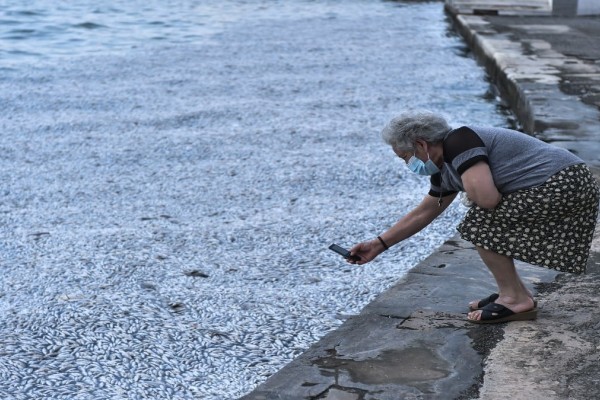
530,201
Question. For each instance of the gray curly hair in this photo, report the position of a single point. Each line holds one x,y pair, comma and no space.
403,131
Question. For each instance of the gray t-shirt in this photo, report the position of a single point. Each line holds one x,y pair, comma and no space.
517,161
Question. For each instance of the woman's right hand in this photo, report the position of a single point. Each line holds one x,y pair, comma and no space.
367,251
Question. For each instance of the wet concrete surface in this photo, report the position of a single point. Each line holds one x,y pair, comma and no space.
413,342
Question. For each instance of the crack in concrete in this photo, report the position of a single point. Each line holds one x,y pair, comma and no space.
425,320
394,317
339,392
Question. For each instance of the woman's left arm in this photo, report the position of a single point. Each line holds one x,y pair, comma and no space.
480,187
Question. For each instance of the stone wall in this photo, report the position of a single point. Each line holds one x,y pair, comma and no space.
575,7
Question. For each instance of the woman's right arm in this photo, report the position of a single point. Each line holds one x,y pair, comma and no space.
413,222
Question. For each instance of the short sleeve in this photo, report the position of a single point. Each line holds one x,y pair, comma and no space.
463,148
436,189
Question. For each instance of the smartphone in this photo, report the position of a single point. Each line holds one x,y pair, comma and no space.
343,252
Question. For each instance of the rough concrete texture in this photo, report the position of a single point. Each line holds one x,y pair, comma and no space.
412,342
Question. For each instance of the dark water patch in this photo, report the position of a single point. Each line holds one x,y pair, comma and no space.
25,13
89,25
108,10
14,37
6,69
24,31
22,53
9,22
20,34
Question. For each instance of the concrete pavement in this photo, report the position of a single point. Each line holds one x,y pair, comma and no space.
413,342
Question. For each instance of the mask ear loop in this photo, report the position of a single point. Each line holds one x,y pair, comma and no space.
440,200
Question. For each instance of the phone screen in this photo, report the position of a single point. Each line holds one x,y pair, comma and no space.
343,252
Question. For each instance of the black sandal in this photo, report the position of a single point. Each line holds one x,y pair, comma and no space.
490,299
494,313
484,302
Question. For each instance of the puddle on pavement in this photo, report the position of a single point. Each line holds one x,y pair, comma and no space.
406,366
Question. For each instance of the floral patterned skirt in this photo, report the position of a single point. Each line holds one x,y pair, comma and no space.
551,225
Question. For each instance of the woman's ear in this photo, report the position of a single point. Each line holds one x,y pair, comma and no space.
421,144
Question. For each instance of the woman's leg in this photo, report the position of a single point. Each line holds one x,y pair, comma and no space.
514,295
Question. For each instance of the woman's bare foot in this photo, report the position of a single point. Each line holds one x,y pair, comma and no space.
477,304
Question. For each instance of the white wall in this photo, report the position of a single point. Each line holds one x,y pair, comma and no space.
588,7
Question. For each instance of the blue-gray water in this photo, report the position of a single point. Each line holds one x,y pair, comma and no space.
173,172
40,29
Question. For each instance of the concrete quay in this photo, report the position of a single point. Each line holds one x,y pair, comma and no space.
413,341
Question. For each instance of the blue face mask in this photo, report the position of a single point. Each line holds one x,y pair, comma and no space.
422,168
